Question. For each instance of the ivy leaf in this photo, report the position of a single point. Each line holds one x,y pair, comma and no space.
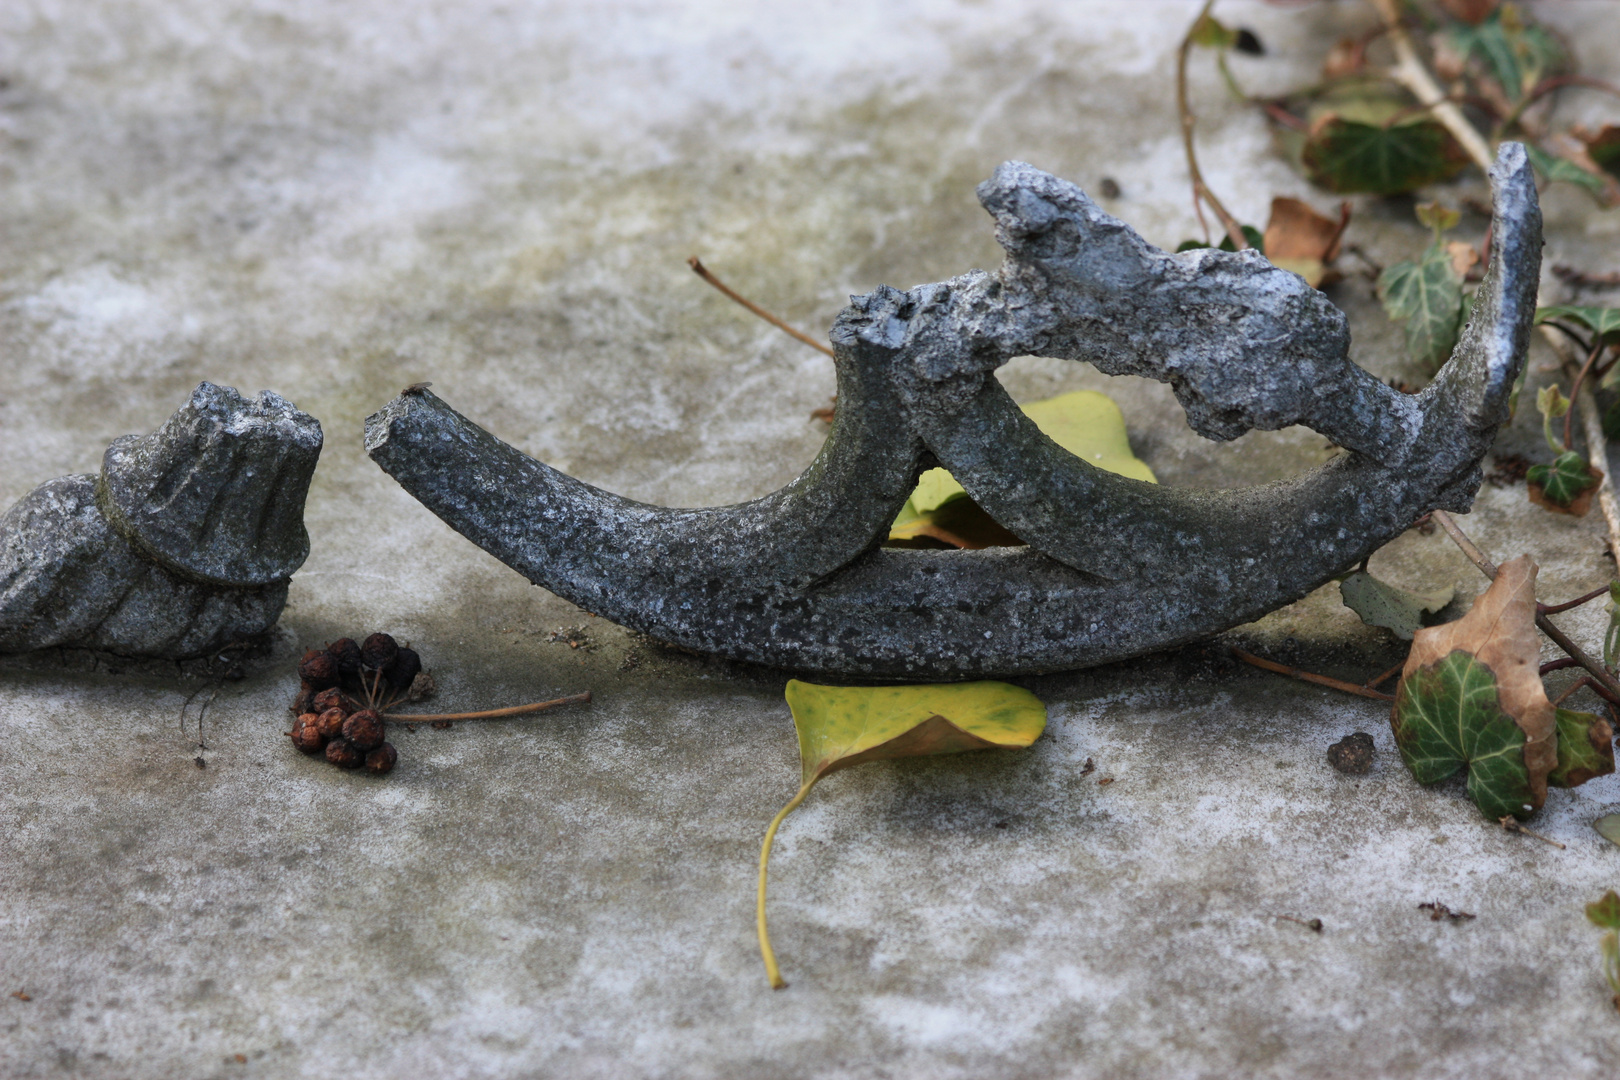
1513,53
841,726
1571,164
1603,321
1608,827
1448,717
1603,147
1471,697
1084,422
1585,749
1606,912
1382,604
1211,34
1299,239
1363,134
1565,486
1426,298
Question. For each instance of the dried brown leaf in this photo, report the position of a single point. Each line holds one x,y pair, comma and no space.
1500,632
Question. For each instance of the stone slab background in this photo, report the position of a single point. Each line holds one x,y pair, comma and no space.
336,200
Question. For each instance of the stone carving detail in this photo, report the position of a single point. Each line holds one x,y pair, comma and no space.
1113,567
182,544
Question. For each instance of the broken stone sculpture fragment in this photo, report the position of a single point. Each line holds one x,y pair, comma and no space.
1114,567
183,543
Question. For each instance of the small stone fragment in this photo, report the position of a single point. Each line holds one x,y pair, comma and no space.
347,655
306,734
423,687
378,651
332,698
364,729
318,669
330,723
1352,754
344,754
382,759
407,666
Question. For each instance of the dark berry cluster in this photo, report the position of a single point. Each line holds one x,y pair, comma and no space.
346,690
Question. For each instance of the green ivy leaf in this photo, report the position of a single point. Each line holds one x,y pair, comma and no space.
1585,749
1382,604
1606,912
1603,321
1426,298
1211,34
1347,156
1563,481
1514,53
1447,717
1556,168
1608,827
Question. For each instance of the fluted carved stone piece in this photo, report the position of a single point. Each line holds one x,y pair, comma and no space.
184,543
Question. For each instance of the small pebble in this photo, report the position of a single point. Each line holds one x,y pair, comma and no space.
1352,754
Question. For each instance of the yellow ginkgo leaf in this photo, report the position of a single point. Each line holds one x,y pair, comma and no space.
1084,422
840,726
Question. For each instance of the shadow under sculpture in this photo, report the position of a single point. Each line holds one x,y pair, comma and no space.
1114,567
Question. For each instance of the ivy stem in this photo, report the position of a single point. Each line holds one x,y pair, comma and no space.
1575,392
773,972
490,714
1597,444
1553,609
1201,192
1312,677
1559,638
703,272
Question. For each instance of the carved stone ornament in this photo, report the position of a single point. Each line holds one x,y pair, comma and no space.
1114,567
183,544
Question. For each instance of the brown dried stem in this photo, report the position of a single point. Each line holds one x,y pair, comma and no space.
1311,677
703,272
1201,192
490,714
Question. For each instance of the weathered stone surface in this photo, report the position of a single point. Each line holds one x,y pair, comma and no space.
1115,567
182,545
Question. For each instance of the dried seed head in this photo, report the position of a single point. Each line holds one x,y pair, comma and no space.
330,723
330,699
364,729
378,651
306,734
347,655
407,666
344,754
318,669
305,699
382,759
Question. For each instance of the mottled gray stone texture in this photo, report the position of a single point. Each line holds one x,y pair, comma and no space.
338,200
1114,567
183,544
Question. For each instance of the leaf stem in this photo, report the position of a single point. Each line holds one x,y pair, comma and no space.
490,714
1575,392
1558,637
703,272
1597,444
1312,677
1507,822
1201,192
773,972
1553,609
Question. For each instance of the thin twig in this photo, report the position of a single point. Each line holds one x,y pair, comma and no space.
1558,637
1553,609
1587,681
1372,684
1575,392
1201,192
703,272
1560,664
1311,677
1410,73
489,714
1507,822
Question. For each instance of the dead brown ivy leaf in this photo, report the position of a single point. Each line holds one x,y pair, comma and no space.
1298,238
